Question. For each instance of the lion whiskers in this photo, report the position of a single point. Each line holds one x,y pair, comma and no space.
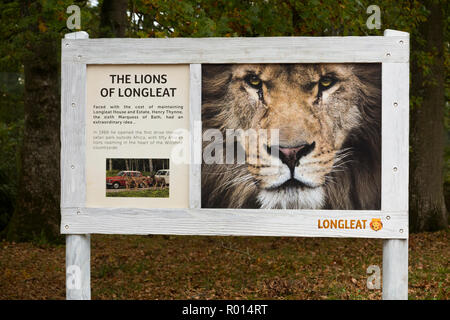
341,159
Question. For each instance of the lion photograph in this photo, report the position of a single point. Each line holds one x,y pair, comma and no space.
327,152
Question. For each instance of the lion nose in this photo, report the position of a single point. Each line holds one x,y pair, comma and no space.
291,155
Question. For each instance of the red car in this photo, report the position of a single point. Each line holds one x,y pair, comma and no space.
121,179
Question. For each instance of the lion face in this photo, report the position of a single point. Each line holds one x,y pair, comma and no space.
313,109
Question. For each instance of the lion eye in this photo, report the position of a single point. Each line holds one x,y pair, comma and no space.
254,81
327,82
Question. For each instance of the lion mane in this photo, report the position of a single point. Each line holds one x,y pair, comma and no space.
357,186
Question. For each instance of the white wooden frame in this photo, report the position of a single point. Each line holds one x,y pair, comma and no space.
392,50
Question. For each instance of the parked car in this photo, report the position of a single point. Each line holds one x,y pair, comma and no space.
122,177
162,177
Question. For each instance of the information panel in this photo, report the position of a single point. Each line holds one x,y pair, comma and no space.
137,116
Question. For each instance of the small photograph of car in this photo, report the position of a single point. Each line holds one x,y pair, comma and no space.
131,179
137,177
162,177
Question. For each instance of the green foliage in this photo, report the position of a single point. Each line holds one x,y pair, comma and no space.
190,18
23,24
208,18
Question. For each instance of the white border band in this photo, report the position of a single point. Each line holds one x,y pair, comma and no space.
237,50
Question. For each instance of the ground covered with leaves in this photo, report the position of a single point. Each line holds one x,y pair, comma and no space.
187,267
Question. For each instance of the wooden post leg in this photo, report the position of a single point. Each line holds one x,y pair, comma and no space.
78,267
395,270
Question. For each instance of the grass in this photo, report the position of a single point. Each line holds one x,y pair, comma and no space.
198,267
157,193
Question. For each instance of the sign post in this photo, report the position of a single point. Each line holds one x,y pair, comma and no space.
125,112
395,252
78,246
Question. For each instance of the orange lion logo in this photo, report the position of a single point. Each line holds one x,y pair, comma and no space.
376,224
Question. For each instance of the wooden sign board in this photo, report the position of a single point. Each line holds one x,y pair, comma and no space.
142,122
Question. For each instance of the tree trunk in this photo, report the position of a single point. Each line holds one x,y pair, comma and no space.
427,204
113,18
150,165
37,212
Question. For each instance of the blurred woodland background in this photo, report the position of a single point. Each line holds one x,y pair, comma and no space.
30,46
